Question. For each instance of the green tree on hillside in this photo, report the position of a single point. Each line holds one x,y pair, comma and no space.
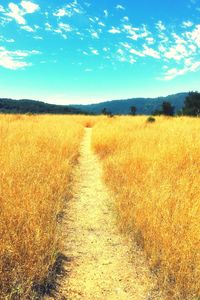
104,111
167,109
133,110
192,104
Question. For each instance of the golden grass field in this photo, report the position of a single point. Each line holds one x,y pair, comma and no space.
153,170
37,154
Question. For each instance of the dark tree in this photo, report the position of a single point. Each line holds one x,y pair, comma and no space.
104,111
157,112
133,110
167,109
192,104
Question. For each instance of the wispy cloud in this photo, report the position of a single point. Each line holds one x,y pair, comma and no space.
151,52
14,60
118,39
187,24
114,30
136,52
95,52
174,72
120,7
160,26
18,12
106,13
69,10
28,28
29,7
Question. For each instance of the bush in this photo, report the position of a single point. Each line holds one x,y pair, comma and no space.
151,119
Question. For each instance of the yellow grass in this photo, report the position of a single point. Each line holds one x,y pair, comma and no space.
154,172
37,154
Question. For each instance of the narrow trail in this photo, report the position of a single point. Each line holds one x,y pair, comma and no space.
103,264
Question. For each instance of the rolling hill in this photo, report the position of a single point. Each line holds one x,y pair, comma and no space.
145,106
35,107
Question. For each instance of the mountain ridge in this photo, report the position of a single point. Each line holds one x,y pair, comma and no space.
144,106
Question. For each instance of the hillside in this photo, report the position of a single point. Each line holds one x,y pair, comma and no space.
36,107
145,106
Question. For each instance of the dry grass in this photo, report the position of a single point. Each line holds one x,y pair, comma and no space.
154,172
37,154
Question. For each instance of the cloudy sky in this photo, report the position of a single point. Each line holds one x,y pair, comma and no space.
83,51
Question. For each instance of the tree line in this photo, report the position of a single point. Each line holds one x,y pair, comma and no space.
191,107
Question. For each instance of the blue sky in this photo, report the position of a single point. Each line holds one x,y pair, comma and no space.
76,51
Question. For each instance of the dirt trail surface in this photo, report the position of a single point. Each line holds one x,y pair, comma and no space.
102,263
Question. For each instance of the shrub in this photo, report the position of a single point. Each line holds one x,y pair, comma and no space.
151,119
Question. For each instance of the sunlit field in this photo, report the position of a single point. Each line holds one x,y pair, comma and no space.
153,170
37,155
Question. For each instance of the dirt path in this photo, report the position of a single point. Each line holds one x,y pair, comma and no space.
103,264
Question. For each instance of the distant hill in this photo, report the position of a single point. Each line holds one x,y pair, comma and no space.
145,106
35,107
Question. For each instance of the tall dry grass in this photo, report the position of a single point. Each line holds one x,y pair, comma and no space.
154,172
37,154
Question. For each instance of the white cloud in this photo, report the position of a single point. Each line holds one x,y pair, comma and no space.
187,24
69,10
58,30
60,13
194,35
29,7
195,66
95,52
102,24
189,67
125,45
176,52
151,52
160,26
126,18
150,40
133,37
3,39
95,35
122,59
48,27
172,73
133,33
193,48
88,70
120,51
27,28
114,30
14,60
106,13
120,7
132,60
2,8
10,40
138,53
38,37
178,39
65,27
16,14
